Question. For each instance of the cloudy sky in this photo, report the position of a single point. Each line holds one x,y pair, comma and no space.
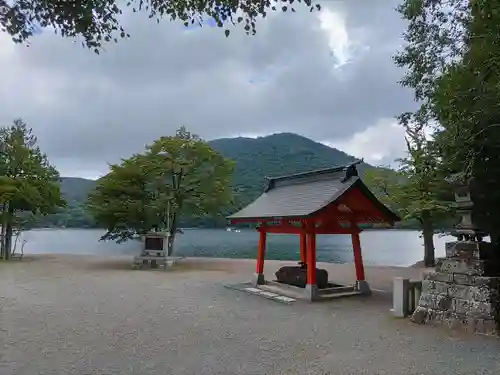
326,75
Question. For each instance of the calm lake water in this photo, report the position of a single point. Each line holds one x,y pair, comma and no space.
389,247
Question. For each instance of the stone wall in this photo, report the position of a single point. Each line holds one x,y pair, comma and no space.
464,290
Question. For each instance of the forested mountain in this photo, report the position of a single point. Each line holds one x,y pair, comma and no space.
256,158
276,155
76,189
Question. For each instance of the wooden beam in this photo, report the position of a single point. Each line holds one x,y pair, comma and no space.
281,230
303,244
261,252
358,257
311,253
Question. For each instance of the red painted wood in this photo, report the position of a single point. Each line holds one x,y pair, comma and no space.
364,208
281,230
358,257
331,220
303,245
311,256
261,251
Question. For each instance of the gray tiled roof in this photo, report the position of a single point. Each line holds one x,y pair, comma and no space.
301,194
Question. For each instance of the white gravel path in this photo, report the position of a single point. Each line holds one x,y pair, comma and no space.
93,316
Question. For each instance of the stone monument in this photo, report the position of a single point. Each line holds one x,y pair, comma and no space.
154,250
464,290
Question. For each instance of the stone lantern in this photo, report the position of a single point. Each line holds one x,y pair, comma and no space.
464,290
468,228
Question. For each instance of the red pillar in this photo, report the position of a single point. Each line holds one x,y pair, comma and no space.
303,245
358,258
261,251
311,256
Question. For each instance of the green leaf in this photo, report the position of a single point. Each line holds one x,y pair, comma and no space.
99,21
176,176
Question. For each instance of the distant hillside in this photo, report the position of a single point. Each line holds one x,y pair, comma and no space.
76,189
256,158
277,155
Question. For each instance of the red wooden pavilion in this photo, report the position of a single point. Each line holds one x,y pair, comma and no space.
327,201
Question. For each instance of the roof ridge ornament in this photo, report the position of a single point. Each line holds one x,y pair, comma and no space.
351,170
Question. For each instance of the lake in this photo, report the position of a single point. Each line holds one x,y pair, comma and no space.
388,247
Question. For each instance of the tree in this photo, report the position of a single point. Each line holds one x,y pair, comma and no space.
435,37
467,105
418,189
97,21
177,176
29,184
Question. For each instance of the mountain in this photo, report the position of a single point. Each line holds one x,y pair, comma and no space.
277,155
256,159
76,189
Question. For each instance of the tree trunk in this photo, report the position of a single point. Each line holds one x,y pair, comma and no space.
171,236
428,234
8,232
170,243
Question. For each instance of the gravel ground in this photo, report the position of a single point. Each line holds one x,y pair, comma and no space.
90,315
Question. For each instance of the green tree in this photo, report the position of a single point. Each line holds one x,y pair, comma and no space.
121,202
467,105
177,176
435,37
418,190
98,21
29,184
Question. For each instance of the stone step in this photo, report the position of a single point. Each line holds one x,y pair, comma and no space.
338,289
288,292
340,295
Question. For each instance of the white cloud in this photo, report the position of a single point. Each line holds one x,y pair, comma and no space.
88,110
333,23
379,144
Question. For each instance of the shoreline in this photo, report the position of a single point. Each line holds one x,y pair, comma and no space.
224,228
206,259
399,248
230,269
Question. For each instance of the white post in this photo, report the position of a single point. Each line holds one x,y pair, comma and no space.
400,297
416,295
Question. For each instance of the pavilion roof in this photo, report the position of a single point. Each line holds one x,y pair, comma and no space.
302,195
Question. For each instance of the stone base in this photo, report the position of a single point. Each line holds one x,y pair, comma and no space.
154,262
297,276
464,291
258,279
363,287
311,293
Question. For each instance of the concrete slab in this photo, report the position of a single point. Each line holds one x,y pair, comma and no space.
250,288
93,315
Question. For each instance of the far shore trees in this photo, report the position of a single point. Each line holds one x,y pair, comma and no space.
177,176
97,22
29,184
